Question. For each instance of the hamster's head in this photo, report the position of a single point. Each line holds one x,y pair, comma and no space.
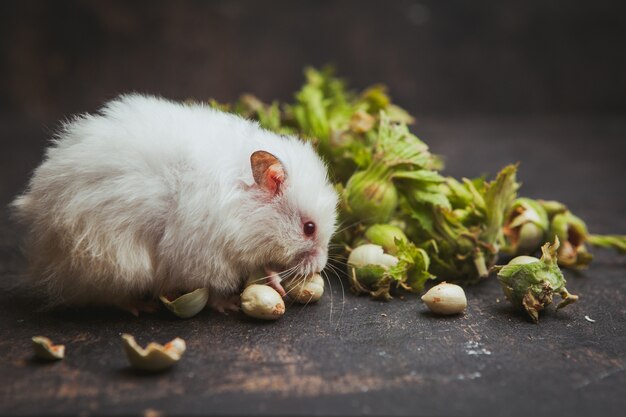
294,210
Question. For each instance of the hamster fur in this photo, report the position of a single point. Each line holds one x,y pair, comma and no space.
150,197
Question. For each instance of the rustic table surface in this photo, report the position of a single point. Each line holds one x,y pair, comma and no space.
349,355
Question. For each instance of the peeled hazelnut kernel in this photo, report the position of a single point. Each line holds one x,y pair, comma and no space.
262,302
445,299
44,349
305,290
187,305
154,357
523,260
370,254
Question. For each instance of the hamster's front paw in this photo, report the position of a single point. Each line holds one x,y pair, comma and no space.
273,280
221,305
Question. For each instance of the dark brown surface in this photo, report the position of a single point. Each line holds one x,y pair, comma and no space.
528,60
367,357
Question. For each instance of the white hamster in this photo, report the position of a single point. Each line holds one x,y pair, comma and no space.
151,197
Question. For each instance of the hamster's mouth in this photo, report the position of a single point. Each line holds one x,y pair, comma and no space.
298,268
303,264
306,267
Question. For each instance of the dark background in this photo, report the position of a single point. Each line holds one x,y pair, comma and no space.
491,82
438,57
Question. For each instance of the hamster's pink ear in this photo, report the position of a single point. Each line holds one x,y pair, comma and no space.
267,171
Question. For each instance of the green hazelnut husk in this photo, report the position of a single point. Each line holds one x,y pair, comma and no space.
369,198
530,283
552,207
572,233
525,227
385,235
367,267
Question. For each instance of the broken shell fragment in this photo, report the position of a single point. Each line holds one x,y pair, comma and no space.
445,299
187,305
262,302
44,349
154,357
305,290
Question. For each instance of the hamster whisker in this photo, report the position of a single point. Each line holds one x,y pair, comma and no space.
289,271
337,273
283,274
343,304
339,258
324,275
332,304
347,227
336,246
288,276
299,281
333,268
343,294
307,303
342,263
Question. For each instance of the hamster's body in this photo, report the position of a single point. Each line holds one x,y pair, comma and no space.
152,197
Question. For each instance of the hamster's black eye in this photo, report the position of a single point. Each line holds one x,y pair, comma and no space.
309,228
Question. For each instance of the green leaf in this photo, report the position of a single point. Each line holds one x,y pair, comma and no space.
411,271
421,175
457,193
499,195
422,214
396,146
424,196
